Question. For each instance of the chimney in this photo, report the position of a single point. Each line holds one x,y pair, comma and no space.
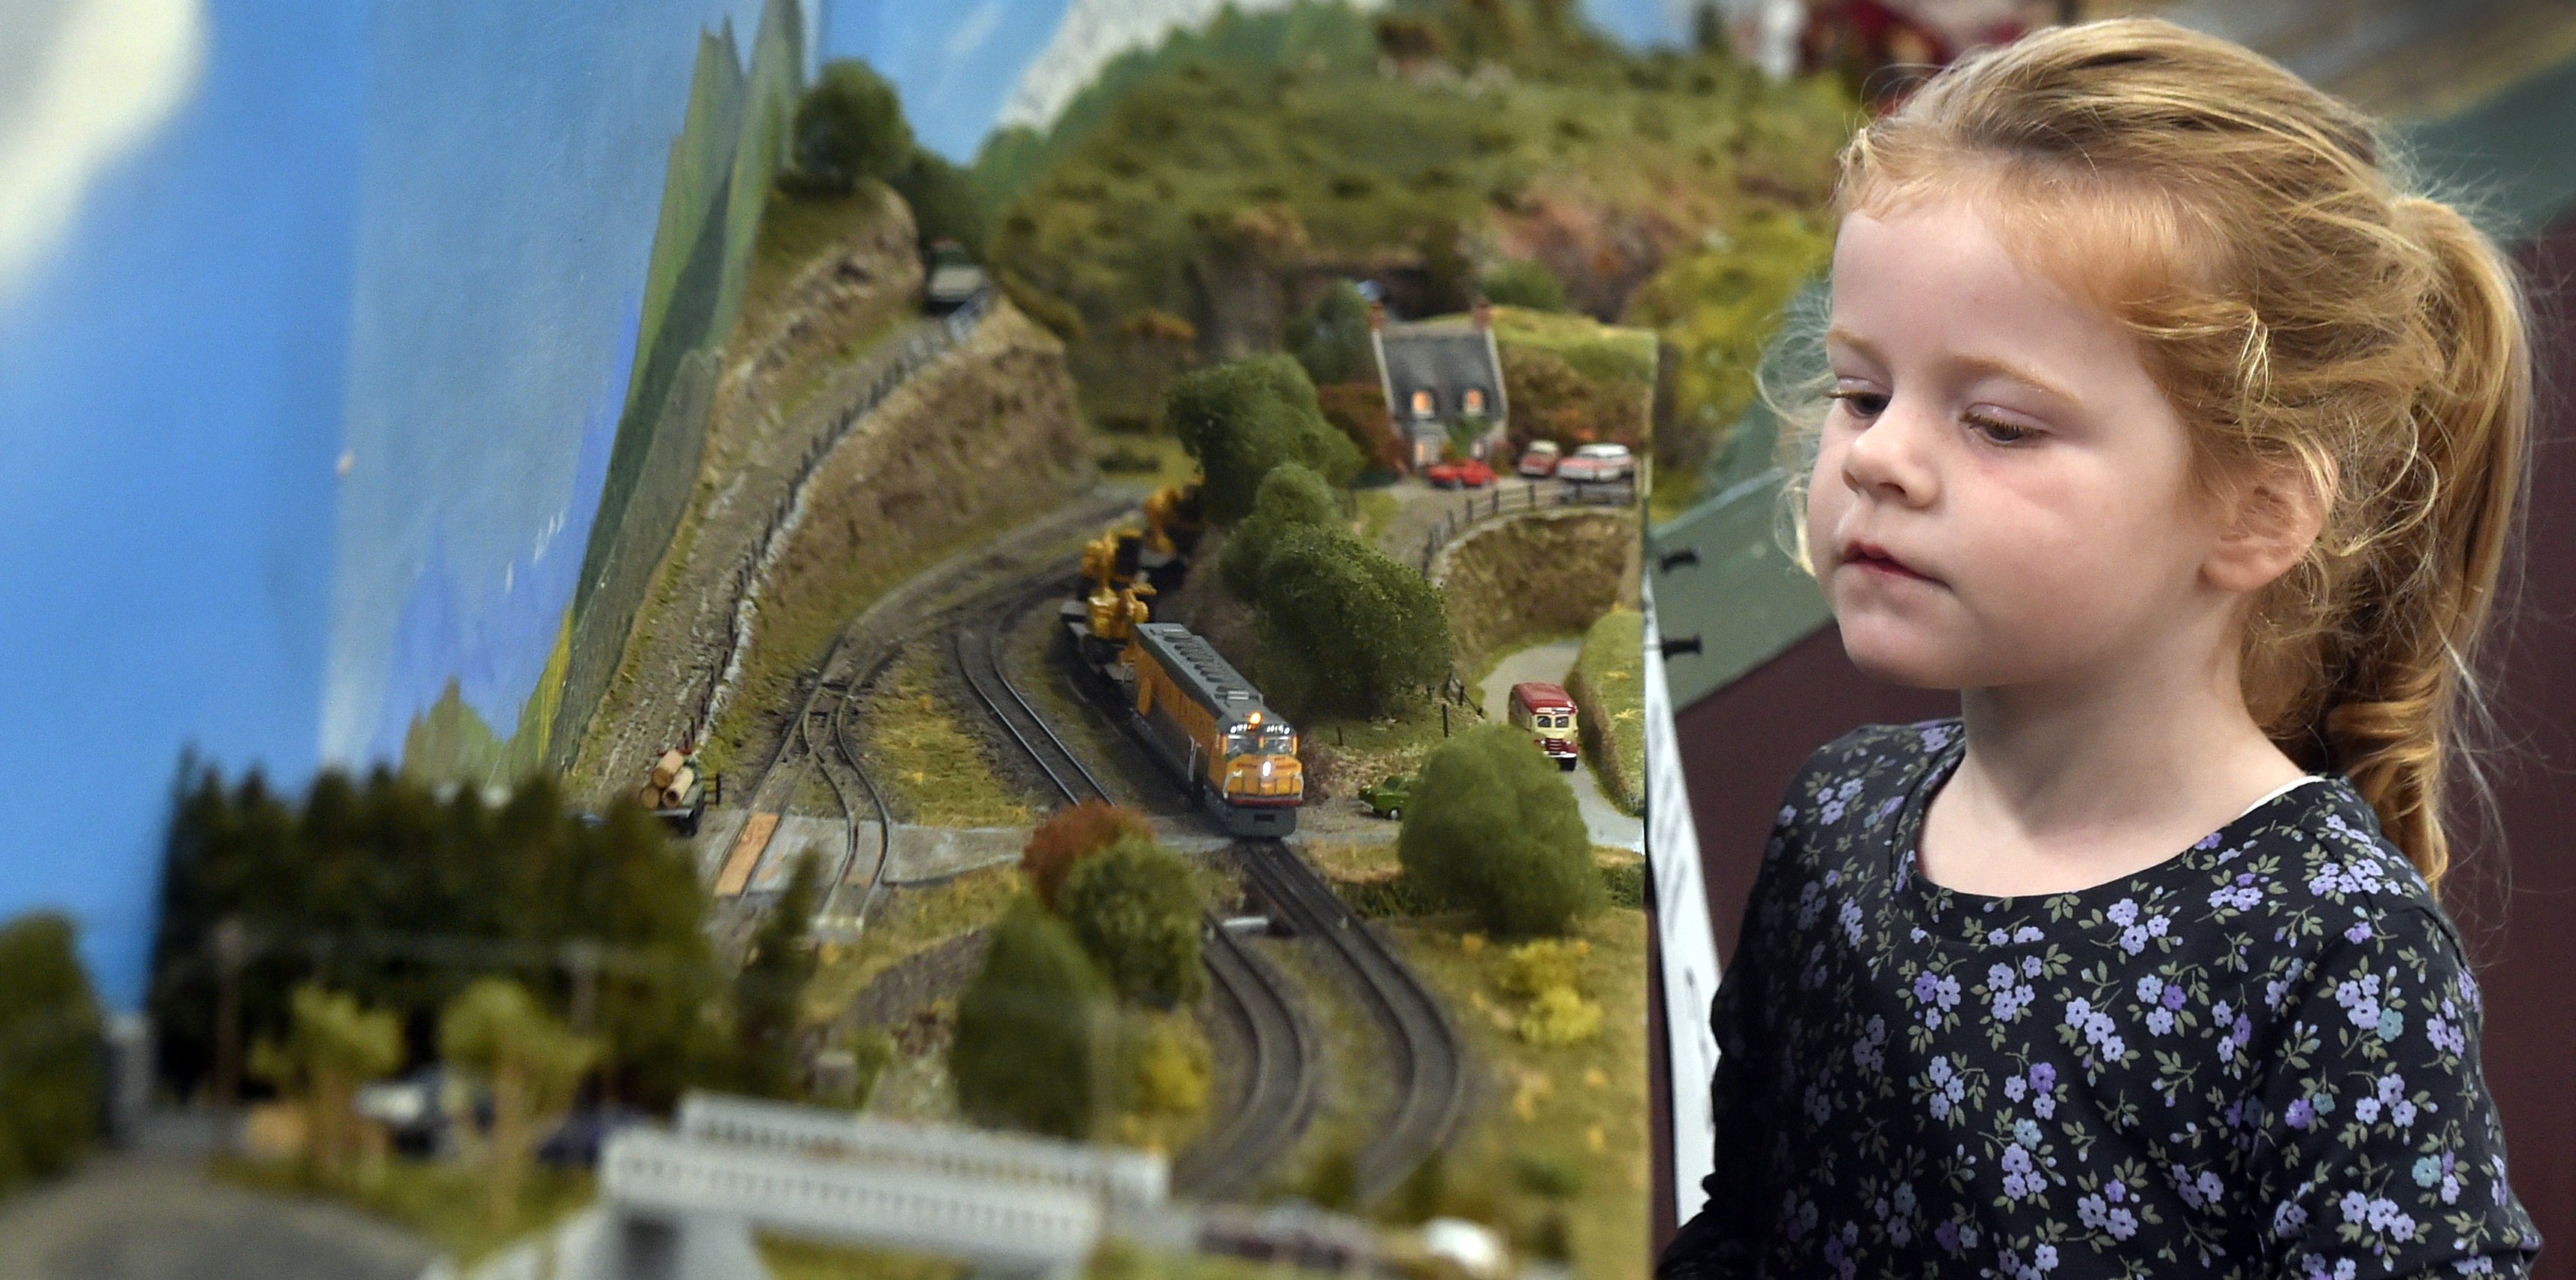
1377,316
1483,315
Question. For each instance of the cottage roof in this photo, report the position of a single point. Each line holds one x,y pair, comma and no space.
1445,358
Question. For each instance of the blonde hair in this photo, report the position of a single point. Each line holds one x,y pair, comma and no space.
2310,314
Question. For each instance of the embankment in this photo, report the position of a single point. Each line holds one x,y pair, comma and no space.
1539,574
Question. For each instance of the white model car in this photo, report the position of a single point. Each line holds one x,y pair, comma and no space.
1598,462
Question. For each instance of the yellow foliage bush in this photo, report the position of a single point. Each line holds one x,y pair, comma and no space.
1532,968
1173,1068
1560,1016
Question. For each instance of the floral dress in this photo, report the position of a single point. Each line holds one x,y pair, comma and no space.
2258,1058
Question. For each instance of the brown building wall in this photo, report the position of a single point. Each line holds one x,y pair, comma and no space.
1741,744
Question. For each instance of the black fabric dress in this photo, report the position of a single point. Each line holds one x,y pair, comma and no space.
2258,1058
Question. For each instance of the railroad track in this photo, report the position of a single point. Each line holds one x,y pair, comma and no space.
864,647
1430,1065
838,757
1252,994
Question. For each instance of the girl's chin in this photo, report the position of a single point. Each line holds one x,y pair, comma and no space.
1900,655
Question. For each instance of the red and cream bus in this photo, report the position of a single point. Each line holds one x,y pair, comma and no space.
1548,714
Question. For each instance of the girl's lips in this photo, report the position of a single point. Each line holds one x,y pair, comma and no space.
1873,559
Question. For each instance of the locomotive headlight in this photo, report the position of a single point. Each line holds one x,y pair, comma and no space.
1266,767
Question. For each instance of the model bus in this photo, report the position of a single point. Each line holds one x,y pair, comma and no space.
1548,714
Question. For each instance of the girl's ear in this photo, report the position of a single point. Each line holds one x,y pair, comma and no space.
2276,516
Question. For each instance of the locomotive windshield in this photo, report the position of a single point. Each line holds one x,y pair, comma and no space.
1269,738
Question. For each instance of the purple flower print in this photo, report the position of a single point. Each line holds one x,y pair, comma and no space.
2300,1115
2173,996
2442,1169
2360,999
2446,1037
2008,998
1840,799
1870,1054
2289,1218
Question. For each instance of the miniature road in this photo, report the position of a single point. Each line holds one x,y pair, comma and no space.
1550,663
1420,508
159,1217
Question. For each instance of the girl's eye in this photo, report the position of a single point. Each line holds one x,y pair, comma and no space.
1862,401
1999,432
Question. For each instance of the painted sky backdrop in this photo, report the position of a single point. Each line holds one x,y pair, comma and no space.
242,243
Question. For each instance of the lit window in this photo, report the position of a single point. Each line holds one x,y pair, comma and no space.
1422,404
1475,399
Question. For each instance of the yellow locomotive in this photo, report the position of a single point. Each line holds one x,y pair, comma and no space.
1194,712
1211,728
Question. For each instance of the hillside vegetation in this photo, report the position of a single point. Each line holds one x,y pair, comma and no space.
1201,196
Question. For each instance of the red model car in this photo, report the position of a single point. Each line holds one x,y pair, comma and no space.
1539,460
1467,473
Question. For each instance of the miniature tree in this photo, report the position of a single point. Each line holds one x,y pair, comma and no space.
1331,339
1032,1030
334,1047
848,126
1072,834
385,854
1492,827
1134,910
1292,494
1526,285
769,993
49,1051
1167,1065
1358,411
1346,629
532,1063
1243,418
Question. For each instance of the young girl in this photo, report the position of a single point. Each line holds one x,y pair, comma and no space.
2184,442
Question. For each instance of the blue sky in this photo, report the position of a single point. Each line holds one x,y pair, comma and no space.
170,385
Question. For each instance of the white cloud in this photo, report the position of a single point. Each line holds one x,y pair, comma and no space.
112,72
971,34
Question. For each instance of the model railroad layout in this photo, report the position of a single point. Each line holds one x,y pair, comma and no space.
1254,996
1219,742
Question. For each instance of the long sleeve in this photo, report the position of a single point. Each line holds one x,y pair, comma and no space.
2379,1150
1725,1238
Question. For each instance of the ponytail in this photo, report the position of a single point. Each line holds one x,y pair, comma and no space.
2405,683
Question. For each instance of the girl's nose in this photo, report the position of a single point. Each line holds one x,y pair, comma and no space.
1888,458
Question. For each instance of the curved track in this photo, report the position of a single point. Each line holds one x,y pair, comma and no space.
1279,1102
1429,1063
838,757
